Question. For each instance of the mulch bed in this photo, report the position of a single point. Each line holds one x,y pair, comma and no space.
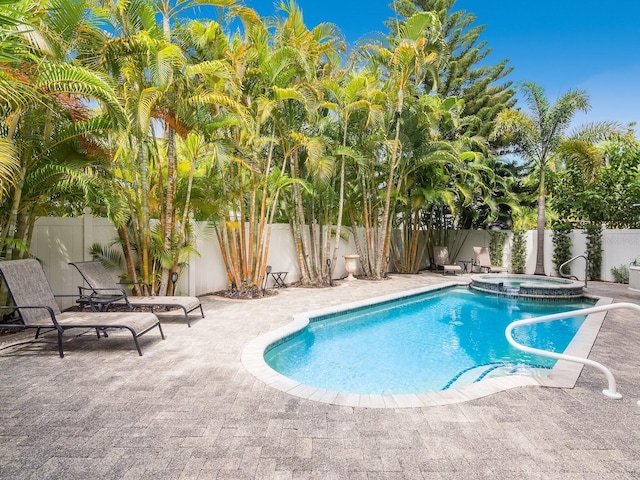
9,331
246,294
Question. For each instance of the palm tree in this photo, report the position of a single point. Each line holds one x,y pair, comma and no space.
412,57
540,138
298,121
45,114
13,52
354,94
159,85
244,128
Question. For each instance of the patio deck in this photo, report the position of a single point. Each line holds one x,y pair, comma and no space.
188,409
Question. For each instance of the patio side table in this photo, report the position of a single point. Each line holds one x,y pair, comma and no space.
466,264
278,279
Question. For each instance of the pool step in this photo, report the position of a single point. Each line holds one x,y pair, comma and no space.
480,372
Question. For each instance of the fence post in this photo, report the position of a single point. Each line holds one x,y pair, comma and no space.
87,233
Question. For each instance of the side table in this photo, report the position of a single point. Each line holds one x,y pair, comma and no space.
467,265
278,279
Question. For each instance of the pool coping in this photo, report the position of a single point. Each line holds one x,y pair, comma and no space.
563,375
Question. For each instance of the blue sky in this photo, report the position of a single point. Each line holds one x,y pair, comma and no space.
558,44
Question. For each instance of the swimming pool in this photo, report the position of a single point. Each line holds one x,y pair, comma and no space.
423,343
563,374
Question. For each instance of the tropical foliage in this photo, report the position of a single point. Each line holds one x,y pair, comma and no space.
156,120
541,138
605,192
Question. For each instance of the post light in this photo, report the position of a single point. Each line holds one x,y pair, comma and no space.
174,280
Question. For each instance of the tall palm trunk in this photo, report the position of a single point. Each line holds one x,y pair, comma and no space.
263,243
123,233
145,227
9,233
336,245
299,225
22,230
168,209
385,243
185,218
542,195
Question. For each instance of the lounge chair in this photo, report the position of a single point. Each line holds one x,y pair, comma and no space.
441,256
36,305
483,261
104,292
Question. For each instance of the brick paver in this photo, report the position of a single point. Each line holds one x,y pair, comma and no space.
188,409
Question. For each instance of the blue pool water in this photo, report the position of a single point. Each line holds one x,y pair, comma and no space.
421,343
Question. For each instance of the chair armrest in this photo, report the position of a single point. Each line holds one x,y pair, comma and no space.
97,291
49,309
69,296
82,290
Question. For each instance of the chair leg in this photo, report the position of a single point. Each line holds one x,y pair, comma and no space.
135,339
201,311
104,332
186,317
60,332
161,332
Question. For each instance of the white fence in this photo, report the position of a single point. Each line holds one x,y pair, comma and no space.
58,241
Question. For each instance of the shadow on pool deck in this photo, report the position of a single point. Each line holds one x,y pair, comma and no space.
189,409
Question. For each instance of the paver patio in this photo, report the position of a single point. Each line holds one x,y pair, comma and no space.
188,409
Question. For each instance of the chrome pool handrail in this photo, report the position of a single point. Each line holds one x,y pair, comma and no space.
611,390
586,269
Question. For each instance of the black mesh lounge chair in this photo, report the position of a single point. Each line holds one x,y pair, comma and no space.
104,292
38,309
441,255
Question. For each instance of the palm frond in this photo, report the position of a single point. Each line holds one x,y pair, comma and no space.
66,78
146,103
109,256
9,163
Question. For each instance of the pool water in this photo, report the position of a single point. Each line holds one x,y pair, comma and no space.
422,343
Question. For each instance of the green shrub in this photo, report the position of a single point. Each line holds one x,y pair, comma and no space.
594,250
561,243
620,274
496,246
518,252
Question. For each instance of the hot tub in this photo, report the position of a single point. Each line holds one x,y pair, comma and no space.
533,286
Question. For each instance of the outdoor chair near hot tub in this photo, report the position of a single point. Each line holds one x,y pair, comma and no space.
36,305
103,292
441,256
483,261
